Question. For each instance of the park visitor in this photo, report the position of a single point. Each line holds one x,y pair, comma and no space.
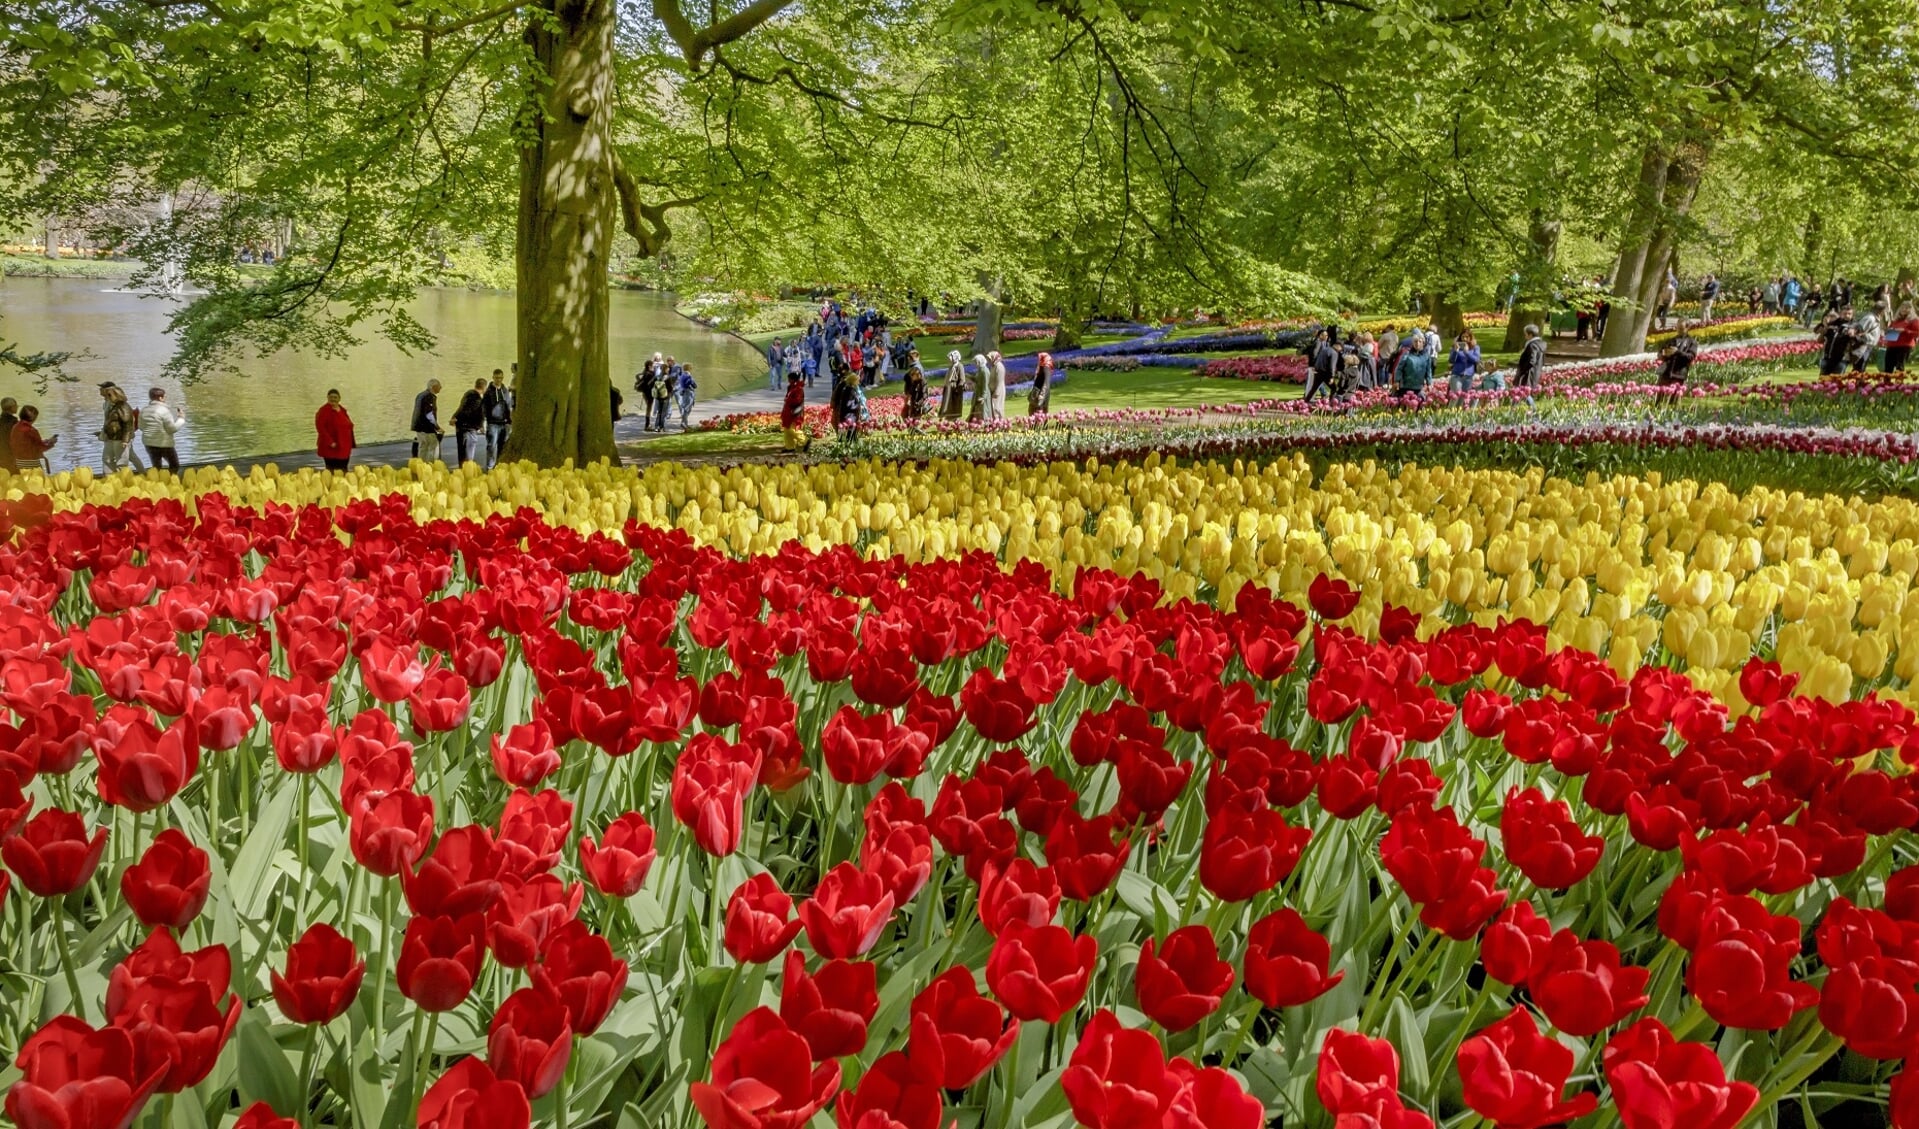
794,361
688,387
1708,294
1900,337
1040,400
663,393
996,386
116,429
981,382
1867,331
856,360
426,423
845,407
793,414
1490,378
1675,362
498,403
1835,335
614,401
953,392
1532,359
9,415
649,379
1464,362
28,448
1321,359
776,363
1415,370
469,425
334,427
1668,296
915,387
159,428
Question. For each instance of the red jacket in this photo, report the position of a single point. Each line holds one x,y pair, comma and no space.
27,445
795,406
335,429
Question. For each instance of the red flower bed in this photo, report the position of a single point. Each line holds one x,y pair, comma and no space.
478,821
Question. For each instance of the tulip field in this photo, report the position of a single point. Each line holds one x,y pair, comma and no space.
1209,794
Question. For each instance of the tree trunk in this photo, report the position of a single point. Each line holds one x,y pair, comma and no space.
53,239
1448,316
1815,243
986,332
1645,264
1629,272
565,238
1535,281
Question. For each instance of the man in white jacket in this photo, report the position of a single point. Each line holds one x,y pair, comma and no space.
159,423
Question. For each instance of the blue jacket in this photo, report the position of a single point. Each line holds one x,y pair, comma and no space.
1465,361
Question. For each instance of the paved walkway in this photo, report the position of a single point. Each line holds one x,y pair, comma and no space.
628,433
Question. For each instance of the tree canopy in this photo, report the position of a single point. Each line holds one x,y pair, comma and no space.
1065,156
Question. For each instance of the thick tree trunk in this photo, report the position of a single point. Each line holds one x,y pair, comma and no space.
1649,250
1535,281
986,332
1448,316
565,238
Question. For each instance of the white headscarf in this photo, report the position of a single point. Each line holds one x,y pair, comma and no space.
955,365
979,362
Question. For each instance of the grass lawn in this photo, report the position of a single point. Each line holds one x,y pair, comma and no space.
700,444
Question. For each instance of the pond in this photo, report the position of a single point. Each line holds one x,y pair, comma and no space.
268,407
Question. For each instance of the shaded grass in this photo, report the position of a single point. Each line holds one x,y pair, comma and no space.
1146,388
689,444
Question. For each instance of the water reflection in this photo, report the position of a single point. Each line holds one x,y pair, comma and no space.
269,408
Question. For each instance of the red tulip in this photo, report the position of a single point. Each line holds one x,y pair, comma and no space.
902,859
168,886
441,702
260,1115
1082,853
890,1096
1582,986
322,978
1661,1083
534,828
579,968
854,745
1040,973
1542,840
1356,1073
525,756
179,1026
711,781
529,1041
1332,598
1515,944
304,742
52,854
526,914
440,960
847,913
1117,1076
141,765
1182,982
159,959
759,920
618,863
1211,1098
1741,968
469,1096
1247,850
223,717
763,1078
831,1008
74,1077
957,1034
1515,1076
998,709
390,837
1286,961
1873,1005
1018,891
390,672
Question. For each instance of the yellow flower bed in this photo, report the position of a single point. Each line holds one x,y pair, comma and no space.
1720,331
1624,566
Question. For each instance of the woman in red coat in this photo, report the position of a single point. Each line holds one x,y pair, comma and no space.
335,429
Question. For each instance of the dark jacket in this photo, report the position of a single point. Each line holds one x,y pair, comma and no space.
7,420
1531,359
426,411
498,403
471,414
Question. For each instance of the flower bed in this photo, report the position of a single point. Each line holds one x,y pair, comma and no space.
1726,329
344,816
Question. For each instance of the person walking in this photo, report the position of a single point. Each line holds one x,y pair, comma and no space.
953,392
996,385
1789,295
1040,400
844,405
1668,296
663,393
793,414
776,364
498,403
334,428
1708,294
116,430
160,430
1769,298
981,378
1531,363
469,425
427,432
915,406
9,415
1321,356
1900,337
27,445
648,380
1868,329
1463,363
795,358
687,389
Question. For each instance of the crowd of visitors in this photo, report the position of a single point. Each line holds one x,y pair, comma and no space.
482,422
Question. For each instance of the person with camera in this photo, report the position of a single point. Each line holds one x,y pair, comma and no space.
1463,363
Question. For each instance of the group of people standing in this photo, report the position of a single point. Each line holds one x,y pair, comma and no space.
663,383
22,447
1409,365
482,421
1848,340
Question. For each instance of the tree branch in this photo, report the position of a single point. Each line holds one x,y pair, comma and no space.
491,14
646,223
694,44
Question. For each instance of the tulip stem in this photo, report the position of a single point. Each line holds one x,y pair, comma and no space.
424,1056
563,1092
306,1074
306,870
384,928
78,1002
